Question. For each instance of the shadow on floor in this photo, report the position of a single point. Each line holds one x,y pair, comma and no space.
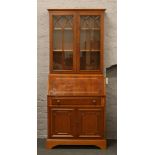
76,150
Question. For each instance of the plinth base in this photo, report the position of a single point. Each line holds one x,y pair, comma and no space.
101,143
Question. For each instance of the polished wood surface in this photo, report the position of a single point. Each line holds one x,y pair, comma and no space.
90,123
76,99
76,85
76,122
62,121
101,143
92,9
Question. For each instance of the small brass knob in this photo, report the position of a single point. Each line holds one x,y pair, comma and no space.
94,101
58,101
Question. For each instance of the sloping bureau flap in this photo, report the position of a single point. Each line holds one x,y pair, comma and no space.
76,85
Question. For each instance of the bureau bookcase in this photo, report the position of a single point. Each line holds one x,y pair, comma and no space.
76,84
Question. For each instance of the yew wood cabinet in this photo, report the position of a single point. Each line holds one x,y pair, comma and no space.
76,84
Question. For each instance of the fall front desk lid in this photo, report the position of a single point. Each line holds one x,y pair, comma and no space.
76,85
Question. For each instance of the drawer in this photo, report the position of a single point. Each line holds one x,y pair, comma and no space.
76,101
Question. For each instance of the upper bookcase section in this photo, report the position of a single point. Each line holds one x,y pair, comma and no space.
76,40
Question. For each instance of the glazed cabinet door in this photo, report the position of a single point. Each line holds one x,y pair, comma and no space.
62,38
61,122
91,123
90,42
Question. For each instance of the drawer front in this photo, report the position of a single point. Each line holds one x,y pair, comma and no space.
76,101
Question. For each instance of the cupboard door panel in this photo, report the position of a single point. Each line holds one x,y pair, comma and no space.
91,122
62,122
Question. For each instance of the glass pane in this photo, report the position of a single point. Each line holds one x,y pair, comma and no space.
57,64
63,22
89,60
90,22
68,40
68,60
63,60
57,41
63,43
89,42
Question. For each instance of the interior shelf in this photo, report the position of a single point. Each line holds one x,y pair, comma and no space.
60,50
90,28
57,28
92,50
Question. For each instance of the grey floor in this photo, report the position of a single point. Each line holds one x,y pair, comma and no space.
77,150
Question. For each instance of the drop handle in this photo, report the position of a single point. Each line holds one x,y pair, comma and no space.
94,101
58,101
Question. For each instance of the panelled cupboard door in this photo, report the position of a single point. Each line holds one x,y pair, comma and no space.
91,123
62,46
62,122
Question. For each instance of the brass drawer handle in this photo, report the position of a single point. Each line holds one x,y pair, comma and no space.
58,101
94,101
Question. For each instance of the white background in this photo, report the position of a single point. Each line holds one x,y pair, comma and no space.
136,77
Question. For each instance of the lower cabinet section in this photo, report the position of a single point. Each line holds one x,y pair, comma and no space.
75,122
